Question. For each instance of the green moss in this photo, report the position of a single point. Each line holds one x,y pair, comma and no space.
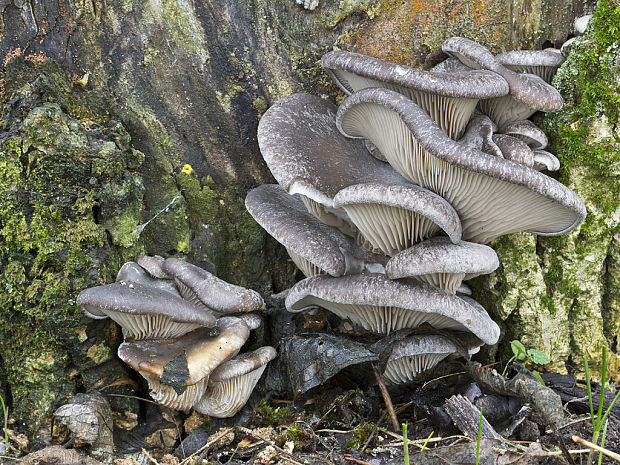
360,436
66,188
272,416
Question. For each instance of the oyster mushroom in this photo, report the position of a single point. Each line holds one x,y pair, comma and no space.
528,132
492,196
232,383
544,160
313,246
416,354
542,63
143,311
382,305
514,149
307,155
443,264
449,98
394,217
177,370
528,92
131,272
207,291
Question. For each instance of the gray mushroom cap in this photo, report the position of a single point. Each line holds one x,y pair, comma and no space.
479,135
439,255
528,93
201,350
450,65
514,149
231,384
383,305
202,288
131,272
307,155
543,63
416,354
528,132
544,160
242,364
344,67
500,196
306,238
449,98
153,264
394,217
143,311
534,93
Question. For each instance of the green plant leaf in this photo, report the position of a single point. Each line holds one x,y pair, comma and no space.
518,349
538,357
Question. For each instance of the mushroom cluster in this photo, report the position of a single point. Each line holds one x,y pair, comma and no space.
183,329
386,203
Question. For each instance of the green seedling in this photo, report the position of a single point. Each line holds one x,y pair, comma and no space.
426,442
479,436
405,444
525,355
599,419
5,414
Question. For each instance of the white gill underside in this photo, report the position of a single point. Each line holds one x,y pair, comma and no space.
167,396
306,266
487,206
505,110
451,114
406,368
545,72
327,217
448,281
223,400
385,319
139,327
390,229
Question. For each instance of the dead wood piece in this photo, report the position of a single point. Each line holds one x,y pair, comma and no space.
490,454
466,417
543,399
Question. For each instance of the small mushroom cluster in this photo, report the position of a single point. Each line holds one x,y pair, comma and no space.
386,202
183,330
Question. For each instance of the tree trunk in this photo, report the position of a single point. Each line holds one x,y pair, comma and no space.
129,127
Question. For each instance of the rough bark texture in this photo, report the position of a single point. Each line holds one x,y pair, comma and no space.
129,127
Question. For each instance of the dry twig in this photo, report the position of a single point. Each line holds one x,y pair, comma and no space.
387,399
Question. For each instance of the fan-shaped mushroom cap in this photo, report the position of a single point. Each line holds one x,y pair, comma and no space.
514,149
449,98
177,370
528,132
544,160
308,156
153,264
479,135
443,264
383,305
542,63
231,384
314,247
416,354
204,289
528,93
252,320
463,290
143,311
394,217
450,65
131,272
492,196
